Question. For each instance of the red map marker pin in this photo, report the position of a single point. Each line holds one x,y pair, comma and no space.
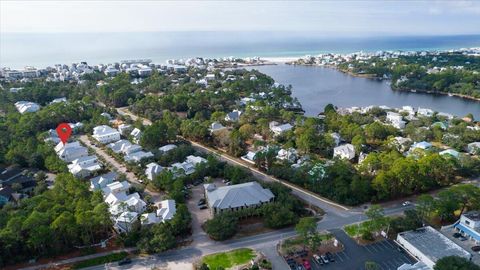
64,131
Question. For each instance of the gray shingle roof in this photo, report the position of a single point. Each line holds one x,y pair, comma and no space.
245,194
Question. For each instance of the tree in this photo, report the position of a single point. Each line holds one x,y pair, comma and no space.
222,226
329,109
156,135
455,263
246,131
425,206
369,265
376,216
278,216
307,229
236,147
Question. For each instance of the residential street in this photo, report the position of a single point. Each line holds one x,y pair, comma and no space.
156,196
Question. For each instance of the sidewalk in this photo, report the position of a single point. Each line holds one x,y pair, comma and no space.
77,259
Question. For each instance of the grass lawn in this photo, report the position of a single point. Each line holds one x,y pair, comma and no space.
353,230
229,259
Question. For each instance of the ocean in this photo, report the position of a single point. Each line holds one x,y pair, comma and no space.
18,50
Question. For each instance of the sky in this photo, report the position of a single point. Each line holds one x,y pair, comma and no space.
336,18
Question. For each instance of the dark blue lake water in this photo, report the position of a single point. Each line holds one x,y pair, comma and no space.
315,87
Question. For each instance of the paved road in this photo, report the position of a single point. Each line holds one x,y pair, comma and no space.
309,197
156,196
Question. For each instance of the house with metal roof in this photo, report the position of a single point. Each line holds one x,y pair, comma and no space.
84,166
70,151
152,170
236,197
166,148
166,211
103,180
105,134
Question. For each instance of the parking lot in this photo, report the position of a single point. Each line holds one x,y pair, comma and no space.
465,244
385,253
199,216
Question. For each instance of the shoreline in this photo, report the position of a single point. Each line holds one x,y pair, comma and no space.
373,77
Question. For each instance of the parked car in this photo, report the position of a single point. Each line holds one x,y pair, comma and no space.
203,206
476,248
330,256
406,203
300,267
125,261
324,258
317,259
201,201
457,235
307,265
463,238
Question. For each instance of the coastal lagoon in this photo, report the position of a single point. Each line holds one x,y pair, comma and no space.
316,87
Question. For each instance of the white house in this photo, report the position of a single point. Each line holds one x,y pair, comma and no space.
119,145
396,120
58,100
111,71
188,166
70,151
26,106
166,148
84,166
166,211
469,225
425,112
136,157
249,157
125,221
105,134
195,160
152,170
136,135
132,202
401,144
450,152
130,149
336,138
287,154
116,188
102,181
473,148
233,116
216,126
346,151
278,129
421,145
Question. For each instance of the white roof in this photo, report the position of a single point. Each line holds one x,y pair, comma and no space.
114,198
103,130
116,186
167,209
127,217
233,196
102,180
195,160
119,145
137,156
167,147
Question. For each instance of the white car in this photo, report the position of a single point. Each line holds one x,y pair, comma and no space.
406,203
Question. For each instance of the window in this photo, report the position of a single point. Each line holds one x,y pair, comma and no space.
467,222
